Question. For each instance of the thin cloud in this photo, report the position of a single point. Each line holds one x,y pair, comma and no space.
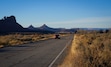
84,20
93,19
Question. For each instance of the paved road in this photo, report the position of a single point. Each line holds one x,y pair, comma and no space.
38,54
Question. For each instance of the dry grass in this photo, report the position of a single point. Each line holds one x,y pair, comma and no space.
17,39
89,50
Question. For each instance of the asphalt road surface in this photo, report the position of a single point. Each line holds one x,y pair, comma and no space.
38,54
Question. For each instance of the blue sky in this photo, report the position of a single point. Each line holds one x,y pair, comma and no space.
59,13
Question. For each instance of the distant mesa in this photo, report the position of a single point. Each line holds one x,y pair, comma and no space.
9,24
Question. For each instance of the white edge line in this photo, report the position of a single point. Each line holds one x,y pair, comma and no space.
59,54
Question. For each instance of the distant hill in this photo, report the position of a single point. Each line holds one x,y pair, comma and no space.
42,29
31,27
9,24
45,28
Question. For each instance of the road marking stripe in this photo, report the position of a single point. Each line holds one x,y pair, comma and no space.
59,54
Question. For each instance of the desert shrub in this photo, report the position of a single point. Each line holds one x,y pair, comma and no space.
17,39
89,50
4,40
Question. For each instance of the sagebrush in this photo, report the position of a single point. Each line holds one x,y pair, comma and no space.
89,50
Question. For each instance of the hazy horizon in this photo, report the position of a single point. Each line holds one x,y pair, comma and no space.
59,13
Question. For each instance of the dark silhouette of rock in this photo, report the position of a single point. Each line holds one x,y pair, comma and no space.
9,24
31,27
45,27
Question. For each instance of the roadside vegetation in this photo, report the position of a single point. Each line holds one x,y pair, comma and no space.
19,39
89,49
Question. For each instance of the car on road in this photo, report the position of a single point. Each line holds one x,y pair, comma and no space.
57,36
